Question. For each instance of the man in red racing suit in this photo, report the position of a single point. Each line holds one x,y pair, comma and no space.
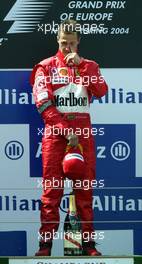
62,88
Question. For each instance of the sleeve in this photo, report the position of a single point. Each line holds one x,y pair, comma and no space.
92,78
43,96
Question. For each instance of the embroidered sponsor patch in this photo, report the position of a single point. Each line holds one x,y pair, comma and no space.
54,70
63,71
60,80
41,96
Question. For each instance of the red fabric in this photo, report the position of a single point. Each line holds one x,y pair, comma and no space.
50,115
53,145
86,68
74,166
53,149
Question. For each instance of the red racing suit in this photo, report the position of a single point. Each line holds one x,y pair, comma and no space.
62,94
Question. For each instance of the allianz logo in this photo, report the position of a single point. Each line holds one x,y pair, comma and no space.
120,96
103,203
119,150
114,96
13,97
15,203
108,203
14,150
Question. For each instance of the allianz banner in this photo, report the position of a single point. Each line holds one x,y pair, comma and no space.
117,200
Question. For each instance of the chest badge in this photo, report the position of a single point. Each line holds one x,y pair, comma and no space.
63,71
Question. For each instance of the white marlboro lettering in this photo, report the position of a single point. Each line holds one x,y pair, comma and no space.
72,98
